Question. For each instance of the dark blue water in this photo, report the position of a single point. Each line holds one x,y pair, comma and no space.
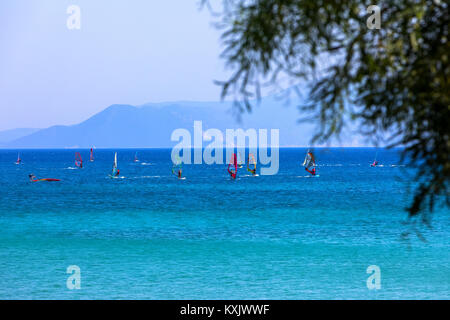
152,236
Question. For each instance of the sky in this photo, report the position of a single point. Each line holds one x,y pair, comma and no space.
125,52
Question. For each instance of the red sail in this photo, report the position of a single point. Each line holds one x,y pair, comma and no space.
234,164
78,160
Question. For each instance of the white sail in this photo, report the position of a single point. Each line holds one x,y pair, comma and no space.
114,165
239,159
307,158
309,162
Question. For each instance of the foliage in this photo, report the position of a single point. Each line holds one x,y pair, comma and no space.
392,80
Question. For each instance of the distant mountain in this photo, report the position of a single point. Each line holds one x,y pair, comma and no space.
151,125
11,135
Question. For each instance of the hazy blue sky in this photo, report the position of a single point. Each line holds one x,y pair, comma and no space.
132,52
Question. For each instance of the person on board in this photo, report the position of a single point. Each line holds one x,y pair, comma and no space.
374,164
117,173
252,171
232,174
32,177
179,174
313,171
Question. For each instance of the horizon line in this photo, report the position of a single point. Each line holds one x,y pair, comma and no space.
165,148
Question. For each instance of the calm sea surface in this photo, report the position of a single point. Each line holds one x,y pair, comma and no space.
152,236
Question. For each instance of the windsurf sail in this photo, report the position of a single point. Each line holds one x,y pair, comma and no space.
233,166
91,156
78,160
114,169
310,163
239,160
251,164
177,168
136,157
34,179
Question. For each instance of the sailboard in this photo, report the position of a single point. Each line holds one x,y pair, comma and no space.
310,163
251,164
177,169
115,171
233,166
34,179
91,156
239,161
78,160
19,161
375,162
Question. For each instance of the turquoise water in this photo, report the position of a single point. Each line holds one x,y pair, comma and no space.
152,236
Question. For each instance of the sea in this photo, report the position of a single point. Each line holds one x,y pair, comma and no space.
343,234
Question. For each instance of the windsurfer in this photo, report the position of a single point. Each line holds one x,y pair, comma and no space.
78,160
313,171
32,177
310,163
118,172
232,173
251,161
